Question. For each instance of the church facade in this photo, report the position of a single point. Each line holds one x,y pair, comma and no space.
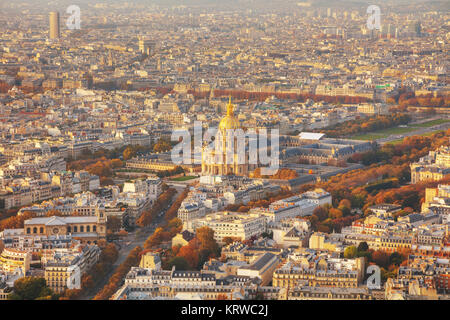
229,155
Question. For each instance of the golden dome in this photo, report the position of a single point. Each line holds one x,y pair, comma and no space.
229,121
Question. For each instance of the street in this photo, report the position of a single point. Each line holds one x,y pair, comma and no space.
131,241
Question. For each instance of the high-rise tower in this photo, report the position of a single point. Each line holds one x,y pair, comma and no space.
54,25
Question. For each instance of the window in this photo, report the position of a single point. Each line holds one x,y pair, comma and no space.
75,229
94,228
88,229
34,230
82,229
28,230
41,230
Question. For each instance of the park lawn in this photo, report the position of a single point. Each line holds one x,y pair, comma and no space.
431,133
185,178
383,133
399,130
432,123
367,136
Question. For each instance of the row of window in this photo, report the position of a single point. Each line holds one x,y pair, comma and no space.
69,229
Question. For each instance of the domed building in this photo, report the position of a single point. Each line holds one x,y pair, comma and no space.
215,160
229,121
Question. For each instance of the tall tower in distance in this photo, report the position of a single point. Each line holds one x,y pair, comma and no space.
54,25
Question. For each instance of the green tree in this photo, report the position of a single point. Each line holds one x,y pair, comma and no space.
350,252
396,258
267,235
180,263
363,246
31,288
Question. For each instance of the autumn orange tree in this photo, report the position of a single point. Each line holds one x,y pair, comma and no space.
116,279
190,253
282,174
96,273
159,236
160,204
4,87
395,164
229,240
131,151
173,210
6,213
265,203
200,249
101,167
53,212
16,222
162,146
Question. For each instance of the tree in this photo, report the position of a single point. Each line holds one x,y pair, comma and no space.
175,223
162,146
16,222
396,259
71,294
228,240
122,233
52,213
30,288
190,253
116,163
335,213
267,235
381,258
345,203
114,224
281,174
109,254
180,263
363,246
321,213
87,281
350,252
345,206
205,235
132,260
129,153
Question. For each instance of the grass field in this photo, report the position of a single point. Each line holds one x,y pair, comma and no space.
398,130
383,133
185,178
432,123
